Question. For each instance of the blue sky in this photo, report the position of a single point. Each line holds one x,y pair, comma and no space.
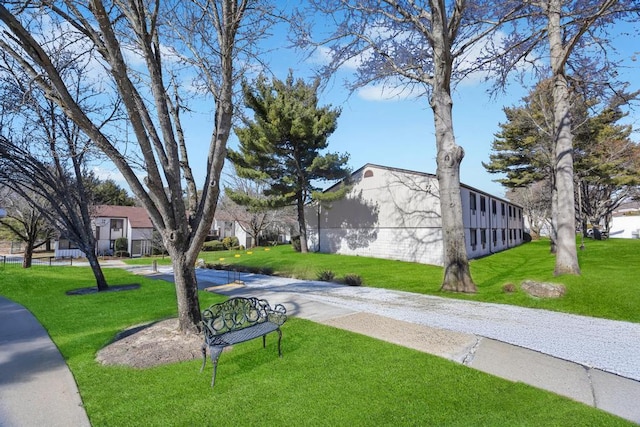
400,133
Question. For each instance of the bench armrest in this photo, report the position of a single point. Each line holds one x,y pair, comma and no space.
278,315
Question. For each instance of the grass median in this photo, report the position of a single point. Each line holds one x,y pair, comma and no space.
608,286
326,377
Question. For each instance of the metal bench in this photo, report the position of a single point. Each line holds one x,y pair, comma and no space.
238,320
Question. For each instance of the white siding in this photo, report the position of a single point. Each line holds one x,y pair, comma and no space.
395,214
627,227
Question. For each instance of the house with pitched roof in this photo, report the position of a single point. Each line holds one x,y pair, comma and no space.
111,223
395,214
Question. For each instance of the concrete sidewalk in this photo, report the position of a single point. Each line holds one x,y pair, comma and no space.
36,386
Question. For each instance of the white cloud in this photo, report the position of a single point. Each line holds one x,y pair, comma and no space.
104,173
386,92
323,56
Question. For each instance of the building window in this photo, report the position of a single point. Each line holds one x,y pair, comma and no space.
472,202
504,235
483,237
474,238
510,212
66,244
483,204
368,174
494,236
493,207
502,206
116,224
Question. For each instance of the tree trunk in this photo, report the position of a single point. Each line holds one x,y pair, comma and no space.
457,276
28,255
101,281
566,252
553,235
304,248
186,285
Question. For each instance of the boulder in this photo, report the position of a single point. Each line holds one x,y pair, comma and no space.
542,289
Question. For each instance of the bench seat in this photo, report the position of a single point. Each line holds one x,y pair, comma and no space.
238,320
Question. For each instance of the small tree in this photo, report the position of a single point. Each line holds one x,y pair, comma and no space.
26,223
244,202
282,146
535,200
121,246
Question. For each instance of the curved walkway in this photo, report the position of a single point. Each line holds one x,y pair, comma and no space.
36,386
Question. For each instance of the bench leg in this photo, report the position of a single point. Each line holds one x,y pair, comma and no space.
279,340
204,357
215,354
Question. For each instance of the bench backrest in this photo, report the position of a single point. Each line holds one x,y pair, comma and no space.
237,313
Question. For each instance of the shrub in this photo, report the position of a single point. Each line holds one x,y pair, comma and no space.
509,288
353,280
216,266
295,242
326,276
122,254
121,244
212,245
230,242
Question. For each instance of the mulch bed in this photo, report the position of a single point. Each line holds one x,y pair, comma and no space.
94,289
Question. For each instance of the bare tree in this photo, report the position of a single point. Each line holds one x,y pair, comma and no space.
535,200
241,203
567,40
136,42
26,223
422,48
65,205
43,154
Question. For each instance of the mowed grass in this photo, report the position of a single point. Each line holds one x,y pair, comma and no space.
609,286
327,377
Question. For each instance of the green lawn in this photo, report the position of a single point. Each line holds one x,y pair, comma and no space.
327,377
608,287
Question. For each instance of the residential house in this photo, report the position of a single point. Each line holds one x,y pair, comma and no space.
111,223
225,225
625,221
395,214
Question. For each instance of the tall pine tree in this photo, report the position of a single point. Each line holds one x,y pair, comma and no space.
282,146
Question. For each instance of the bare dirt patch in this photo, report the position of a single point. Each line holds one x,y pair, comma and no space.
152,344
